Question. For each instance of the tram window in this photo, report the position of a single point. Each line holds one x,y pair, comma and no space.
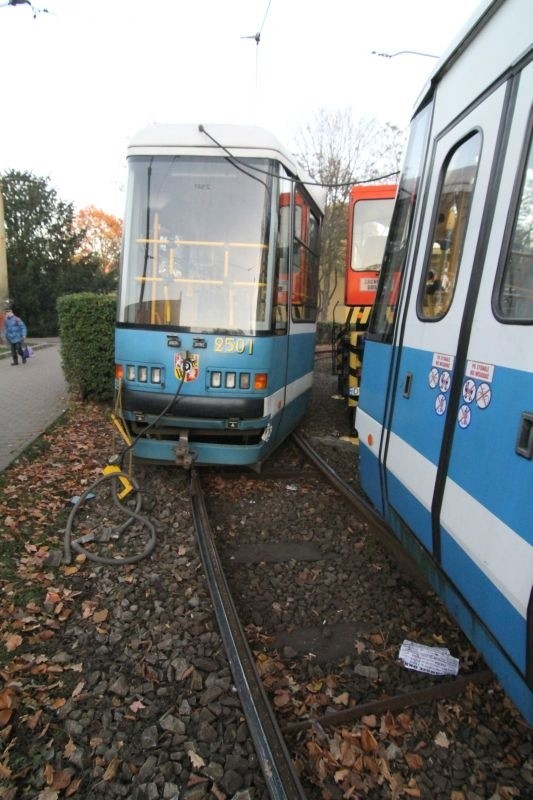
281,276
304,284
383,316
370,220
449,229
515,298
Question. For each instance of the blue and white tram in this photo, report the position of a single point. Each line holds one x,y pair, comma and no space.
445,417
216,325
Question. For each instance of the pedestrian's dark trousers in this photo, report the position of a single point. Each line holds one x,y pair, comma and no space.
16,350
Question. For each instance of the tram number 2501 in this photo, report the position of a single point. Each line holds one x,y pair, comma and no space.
233,344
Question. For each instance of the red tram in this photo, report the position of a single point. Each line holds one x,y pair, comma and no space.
369,215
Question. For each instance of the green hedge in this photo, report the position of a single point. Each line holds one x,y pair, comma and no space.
86,328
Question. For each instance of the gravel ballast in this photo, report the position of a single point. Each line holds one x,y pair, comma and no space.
133,697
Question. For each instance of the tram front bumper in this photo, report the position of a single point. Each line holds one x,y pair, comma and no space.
193,406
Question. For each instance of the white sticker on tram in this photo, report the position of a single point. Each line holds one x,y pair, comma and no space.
476,369
443,361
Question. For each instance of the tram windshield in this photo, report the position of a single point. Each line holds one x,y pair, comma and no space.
371,220
197,241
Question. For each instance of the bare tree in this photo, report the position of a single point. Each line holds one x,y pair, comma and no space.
338,151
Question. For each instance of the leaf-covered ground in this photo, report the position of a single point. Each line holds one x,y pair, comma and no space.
37,598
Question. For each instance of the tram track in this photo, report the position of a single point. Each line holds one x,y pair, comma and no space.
296,679
275,761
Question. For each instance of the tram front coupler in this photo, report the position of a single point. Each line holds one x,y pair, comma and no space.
184,457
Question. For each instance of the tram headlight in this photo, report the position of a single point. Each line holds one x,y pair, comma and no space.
155,374
130,372
260,380
142,374
231,380
216,380
244,380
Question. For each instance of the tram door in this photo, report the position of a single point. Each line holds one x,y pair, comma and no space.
488,544
294,305
423,409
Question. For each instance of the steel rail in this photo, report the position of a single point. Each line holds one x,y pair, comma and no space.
371,517
278,770
396,702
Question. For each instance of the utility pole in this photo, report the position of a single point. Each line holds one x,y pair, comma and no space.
4,289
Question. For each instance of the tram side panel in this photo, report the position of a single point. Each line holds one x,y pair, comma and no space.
490,475
445,418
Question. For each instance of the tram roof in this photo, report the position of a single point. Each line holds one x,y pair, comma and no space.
240,140
479,18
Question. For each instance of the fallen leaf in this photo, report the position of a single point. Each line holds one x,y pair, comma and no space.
196,760
441,740
61,779
12,641
69,749
33,721
95,742
5,772
368,741
508,792
342,699
137,705
88,607
78,689
101,616
340,775
48,794
281,699
7,698
5,716
49,774
73,787
111,770
215,791
414,760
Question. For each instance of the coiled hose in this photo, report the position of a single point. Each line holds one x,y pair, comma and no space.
115,476
132,514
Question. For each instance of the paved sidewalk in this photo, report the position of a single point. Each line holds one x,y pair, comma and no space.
32,396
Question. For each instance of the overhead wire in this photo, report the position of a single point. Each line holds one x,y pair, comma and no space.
236,160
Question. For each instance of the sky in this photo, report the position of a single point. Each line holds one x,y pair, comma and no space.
79,80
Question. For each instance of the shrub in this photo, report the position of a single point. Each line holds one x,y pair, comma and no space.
86,328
